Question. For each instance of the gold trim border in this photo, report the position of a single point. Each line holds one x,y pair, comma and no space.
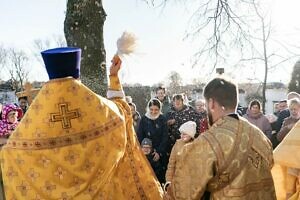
49,143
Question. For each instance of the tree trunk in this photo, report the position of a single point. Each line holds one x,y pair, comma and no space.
266,67
83,28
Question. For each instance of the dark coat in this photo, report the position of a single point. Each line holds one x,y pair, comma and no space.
278,124
281,116
166,105
156,130
157,167
188,113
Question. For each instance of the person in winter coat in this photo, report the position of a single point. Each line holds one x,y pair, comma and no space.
179,114
164,99
201,109
257,118
188,131
289,122
153,125
10,115
155,164
135,116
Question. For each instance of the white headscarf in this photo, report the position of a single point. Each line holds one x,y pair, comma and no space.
148,114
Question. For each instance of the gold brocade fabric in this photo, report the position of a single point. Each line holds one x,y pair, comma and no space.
73,144
286,156
172,160
237,144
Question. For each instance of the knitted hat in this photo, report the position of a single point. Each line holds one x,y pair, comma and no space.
146,141
189,128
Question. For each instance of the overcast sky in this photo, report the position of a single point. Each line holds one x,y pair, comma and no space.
160,32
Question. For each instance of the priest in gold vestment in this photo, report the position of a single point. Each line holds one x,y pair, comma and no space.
74,144
232,160
286,171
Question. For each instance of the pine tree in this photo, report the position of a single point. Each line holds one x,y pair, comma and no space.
294,85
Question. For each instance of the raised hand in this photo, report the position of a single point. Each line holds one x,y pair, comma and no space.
115,65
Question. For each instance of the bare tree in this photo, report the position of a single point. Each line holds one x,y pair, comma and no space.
218,26
270,58
3,58
229,28
43,44
17,67
175,82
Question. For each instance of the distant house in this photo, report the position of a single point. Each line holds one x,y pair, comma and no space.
274,95
275,91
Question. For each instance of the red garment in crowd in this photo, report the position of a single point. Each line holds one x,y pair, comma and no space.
203,125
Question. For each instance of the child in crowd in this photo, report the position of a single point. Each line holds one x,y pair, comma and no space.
10,115
188,131
149,153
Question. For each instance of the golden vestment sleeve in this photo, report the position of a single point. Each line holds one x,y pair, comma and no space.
145,180
189,181
172,163
114,83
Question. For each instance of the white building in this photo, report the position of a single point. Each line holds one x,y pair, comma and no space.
273,96
274,93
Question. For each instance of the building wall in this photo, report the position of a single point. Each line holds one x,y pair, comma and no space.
8,97
273,96
242,100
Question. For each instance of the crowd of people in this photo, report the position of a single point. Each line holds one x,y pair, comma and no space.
164,117
204,151
161,125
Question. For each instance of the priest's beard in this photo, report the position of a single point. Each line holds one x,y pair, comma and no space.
210,118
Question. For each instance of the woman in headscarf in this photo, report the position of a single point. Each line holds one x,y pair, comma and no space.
153,125
255,116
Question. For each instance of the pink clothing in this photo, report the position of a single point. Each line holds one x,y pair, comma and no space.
260,121
6,127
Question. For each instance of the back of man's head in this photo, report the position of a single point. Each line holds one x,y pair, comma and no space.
25,98
223,91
